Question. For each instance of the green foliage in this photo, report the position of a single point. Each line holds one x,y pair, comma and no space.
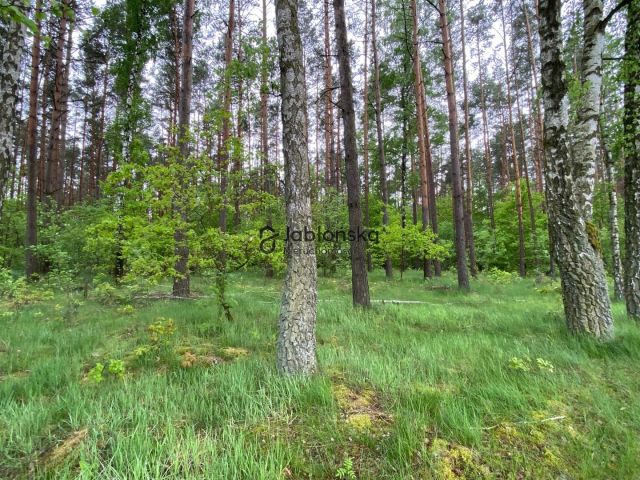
500,277
408,245
95,374
346,470
116,368
162,331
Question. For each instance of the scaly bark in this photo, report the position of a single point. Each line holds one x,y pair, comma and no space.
631,123
329,141
584,287
296,346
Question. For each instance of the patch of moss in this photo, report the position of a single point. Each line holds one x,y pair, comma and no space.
594,237
362,422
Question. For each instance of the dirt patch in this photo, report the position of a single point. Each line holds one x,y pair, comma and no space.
189,359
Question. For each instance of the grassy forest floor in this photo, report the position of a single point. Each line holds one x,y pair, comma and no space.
480,385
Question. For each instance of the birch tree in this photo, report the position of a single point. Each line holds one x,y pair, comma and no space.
584,287
11,51
296,346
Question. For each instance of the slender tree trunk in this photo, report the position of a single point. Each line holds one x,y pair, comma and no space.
514,158
31,239
11,52
181,285
296,346
388,268
585,145
329,145
456,174
631,123
584,287
424,147
226,128
365,126
237,157
51,190
539,150
65,118
614,228
468,211
488,161
359,280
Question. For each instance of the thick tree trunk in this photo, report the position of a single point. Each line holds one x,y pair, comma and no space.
31,240
359,280
384,191
11,51
584,287
456,174
296,346
181,285
632,160
468,204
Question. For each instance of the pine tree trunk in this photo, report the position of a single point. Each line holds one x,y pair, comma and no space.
488,160
223,154
65,118
31,239
329,142
53,153
296,346
384,191
359,280
514,158
456,174
631,123
11,51
427,193
584,287
365,126
181,283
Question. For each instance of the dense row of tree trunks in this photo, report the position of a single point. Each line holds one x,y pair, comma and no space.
456,171
584,288
359,280
296,345
631,124
181,282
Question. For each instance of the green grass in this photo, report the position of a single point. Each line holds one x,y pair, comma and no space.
408,391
